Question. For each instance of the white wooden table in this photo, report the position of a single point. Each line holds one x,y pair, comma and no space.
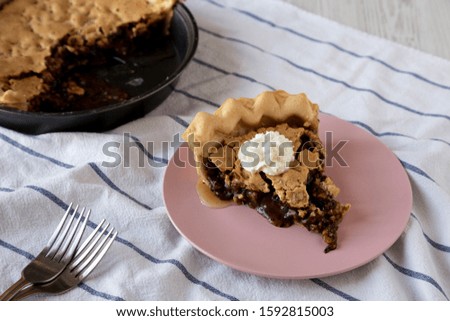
420,24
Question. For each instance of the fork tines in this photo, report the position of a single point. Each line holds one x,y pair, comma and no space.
93,249
65,239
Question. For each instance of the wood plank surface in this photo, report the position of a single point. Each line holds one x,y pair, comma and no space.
420,24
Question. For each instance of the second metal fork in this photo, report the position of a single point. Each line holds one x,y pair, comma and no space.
56,255
86,259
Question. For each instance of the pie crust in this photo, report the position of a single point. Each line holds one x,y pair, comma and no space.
303,194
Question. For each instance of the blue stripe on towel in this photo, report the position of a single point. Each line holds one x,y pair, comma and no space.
6,190
232,73
180,266
185,93
335,46
334,290
105,178
49,195
103,295
373,132
15,249
56,200
150,156
416,275
32,152
180,121
436,245
416,170
331,79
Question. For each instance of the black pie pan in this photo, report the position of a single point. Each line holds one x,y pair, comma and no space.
159,77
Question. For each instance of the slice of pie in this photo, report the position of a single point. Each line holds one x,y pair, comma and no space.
45,46
266,153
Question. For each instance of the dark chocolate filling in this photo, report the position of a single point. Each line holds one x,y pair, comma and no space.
321,216
80,76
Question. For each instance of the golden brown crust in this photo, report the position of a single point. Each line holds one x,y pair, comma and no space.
237,117
30,28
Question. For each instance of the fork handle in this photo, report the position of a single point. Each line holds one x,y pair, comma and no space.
14,289
26,292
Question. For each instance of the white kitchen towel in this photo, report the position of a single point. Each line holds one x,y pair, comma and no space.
399,95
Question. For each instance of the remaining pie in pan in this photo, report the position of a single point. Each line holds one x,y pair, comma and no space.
48,47
266,153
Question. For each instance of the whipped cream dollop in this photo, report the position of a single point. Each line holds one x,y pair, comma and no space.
269,152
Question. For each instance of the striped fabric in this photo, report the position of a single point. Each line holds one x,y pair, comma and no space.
399,95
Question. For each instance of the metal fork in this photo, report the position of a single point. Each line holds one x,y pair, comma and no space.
56,255
86,259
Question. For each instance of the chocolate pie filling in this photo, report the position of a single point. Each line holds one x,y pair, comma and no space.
322,215
81,76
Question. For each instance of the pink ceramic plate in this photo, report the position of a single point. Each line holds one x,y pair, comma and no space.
373,181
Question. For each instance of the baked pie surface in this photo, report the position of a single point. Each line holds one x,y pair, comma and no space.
300,194
42,41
